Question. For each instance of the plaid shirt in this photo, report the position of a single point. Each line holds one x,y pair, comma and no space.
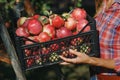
108,25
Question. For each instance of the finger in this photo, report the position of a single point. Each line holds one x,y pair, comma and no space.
69,60
64,63
74,52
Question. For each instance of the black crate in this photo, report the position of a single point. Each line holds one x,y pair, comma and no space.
47,53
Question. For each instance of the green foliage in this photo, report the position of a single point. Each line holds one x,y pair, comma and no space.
42,6
71,72
4,9
55,6
2,1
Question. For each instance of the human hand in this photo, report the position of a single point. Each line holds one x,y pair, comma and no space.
81,58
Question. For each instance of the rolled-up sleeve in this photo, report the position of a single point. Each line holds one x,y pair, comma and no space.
117,64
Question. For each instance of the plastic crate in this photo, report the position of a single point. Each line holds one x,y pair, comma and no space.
47,53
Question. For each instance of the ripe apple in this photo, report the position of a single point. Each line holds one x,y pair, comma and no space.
36,16
21,31
81,23
20,21
34,26
34,38
79,13
50,30
54,47
57,21
43,37
70,23
25,24
63,32
27,52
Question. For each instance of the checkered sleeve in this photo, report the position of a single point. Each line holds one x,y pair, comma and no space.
117,64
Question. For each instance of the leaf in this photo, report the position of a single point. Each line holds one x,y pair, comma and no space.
3,1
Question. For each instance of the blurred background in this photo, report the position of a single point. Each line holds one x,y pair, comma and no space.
71,72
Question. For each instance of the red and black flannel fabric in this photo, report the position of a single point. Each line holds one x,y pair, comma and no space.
108,25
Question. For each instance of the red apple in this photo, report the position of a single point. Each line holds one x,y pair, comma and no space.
36,16
20,21
25,24
70,23
34,38
81,23
45,50
54,47
79,13
27,52
34,26
21,31
75,32
43,37
50,30
63,32
29,62
57,21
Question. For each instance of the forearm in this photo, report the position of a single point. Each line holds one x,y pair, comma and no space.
107,63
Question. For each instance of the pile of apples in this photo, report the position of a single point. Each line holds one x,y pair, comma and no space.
41,28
